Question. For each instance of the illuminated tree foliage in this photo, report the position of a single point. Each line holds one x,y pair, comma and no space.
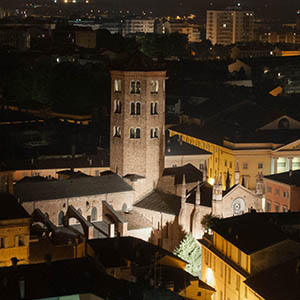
190,250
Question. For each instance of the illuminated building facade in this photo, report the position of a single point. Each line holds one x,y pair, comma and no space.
221,160
282,192
241,248
14,231
229,26
138,25
192,30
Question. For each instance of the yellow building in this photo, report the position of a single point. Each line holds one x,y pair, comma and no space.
14,231
241,248
221,160
265,152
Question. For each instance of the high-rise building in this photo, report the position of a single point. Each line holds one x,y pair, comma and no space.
138,25
229,26
137,120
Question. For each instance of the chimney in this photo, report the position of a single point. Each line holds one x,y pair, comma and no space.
14,262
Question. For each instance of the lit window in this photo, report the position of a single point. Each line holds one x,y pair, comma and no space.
135,87
117,86
154,84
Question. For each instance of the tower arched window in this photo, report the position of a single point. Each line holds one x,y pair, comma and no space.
135,133
60,218
94,214
154,108
132,108
138,108
153,133
135,87
117,131
117,86
135,108
154,85
132,133
117,106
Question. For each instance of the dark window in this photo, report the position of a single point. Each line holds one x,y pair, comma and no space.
60,218
137,133
94,214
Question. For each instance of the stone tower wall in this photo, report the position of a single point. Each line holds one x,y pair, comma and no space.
143,156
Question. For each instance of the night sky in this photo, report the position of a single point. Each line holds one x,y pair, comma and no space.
271,8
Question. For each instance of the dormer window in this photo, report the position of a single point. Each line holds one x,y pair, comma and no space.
154,85
135,87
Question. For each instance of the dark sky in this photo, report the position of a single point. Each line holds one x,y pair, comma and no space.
279,8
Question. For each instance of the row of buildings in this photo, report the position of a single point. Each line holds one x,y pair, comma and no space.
20,36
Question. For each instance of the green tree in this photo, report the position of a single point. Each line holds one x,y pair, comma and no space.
190,251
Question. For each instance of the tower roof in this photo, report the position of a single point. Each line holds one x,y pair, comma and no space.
137,61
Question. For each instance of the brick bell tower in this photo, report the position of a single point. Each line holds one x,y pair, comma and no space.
137,132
